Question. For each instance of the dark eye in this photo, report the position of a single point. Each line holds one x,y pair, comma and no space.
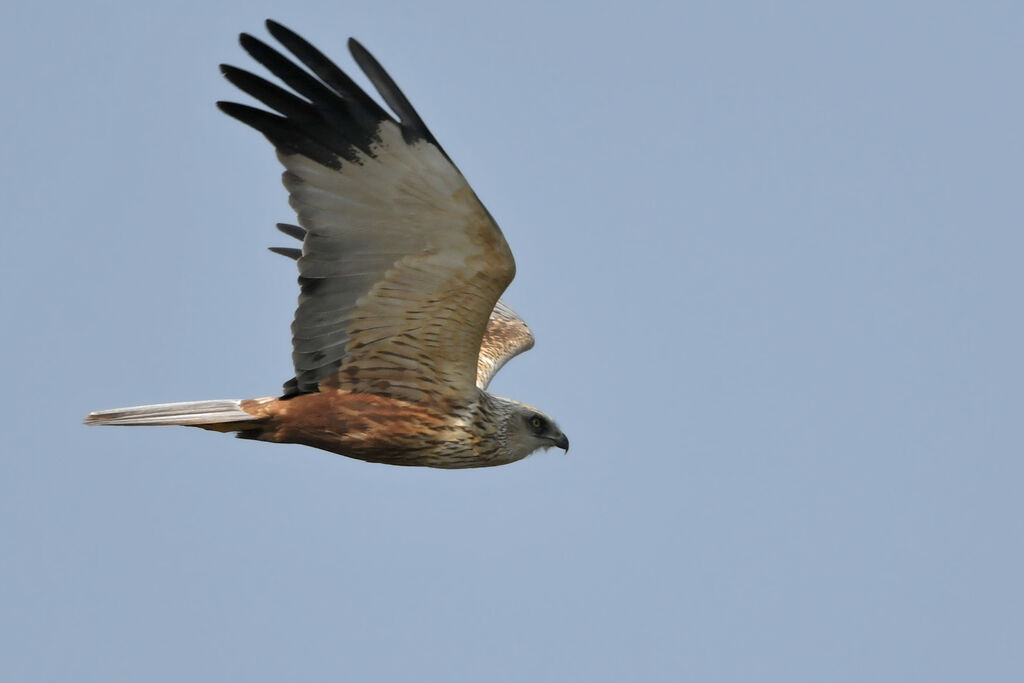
538,424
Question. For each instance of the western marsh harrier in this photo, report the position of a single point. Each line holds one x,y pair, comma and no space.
399,328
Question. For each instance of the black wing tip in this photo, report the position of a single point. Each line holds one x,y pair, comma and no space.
366,62
233,74
292,230
282,133
231,69
279,30
412,125
325,115
355,46
256,48
290,252
242,112
261,120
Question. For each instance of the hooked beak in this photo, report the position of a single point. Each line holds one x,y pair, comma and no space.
562,442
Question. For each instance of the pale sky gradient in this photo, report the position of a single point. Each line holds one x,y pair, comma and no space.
772,254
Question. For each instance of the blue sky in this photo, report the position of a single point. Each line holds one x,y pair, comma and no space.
772,257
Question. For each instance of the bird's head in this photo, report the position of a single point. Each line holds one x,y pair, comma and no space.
527,429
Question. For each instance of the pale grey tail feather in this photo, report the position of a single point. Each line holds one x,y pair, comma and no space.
193,413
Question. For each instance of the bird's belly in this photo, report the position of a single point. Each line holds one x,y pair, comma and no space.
376,429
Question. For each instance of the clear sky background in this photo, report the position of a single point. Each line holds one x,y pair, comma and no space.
772,256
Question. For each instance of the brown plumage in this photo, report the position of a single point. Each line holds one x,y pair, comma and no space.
399,327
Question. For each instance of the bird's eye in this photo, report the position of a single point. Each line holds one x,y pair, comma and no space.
537,422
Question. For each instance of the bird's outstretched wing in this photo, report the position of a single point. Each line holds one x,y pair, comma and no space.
401,265
506,336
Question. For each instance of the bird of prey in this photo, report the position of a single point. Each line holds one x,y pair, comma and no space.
399,327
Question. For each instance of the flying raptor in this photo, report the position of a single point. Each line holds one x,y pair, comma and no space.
399,327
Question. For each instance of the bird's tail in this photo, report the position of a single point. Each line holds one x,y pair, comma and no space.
220,415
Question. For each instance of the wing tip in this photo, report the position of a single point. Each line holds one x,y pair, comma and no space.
289,252
292,230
